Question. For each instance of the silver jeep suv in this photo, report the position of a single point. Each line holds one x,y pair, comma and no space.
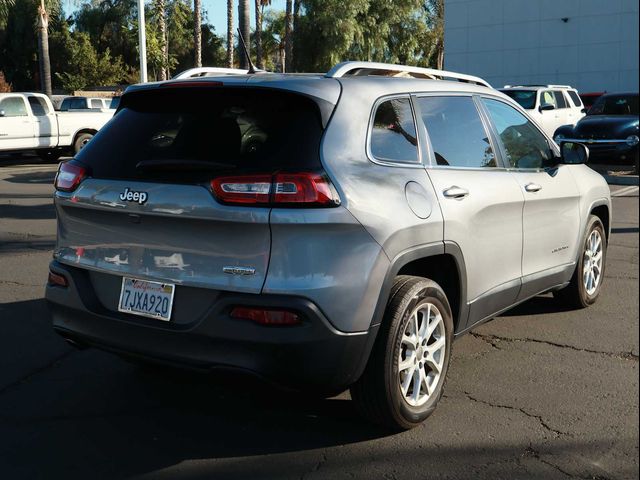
324,231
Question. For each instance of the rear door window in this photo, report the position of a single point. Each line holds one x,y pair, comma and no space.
393,134
38,106
575,98
560,100
188,134
96,103
457,134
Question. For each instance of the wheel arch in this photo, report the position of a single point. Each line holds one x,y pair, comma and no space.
441,262
601,210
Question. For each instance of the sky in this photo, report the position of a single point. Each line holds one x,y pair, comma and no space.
216,12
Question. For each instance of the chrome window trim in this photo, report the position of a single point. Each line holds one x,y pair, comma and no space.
386,162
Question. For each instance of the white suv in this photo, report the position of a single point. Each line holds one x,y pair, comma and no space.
552,106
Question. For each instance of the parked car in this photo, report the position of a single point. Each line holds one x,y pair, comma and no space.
28,122
610,130
589,98
551,106
375,220
84,103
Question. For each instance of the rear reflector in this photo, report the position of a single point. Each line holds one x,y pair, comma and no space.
56,279
304,189
264,316
69,177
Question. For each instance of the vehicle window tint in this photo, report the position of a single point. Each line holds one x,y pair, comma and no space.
523,143
38,106
615,105
457,135
548,97
64,106
560,101
96,103
77,103
574,98
393,137
526,98
188,135
13,107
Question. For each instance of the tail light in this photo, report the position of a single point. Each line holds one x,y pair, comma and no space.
264,316
69,177
56,279
304,189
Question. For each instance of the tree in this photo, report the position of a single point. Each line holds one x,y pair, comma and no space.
244,20
5,8
230,33
160,15
260,4
42,25
197,32
288,37
435,22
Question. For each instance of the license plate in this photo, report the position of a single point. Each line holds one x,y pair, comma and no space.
148,299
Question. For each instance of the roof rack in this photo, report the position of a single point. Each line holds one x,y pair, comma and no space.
208,71
387,69
545,86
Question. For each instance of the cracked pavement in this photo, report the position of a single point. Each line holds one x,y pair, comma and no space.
539,392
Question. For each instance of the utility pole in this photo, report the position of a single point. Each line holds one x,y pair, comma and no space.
142,42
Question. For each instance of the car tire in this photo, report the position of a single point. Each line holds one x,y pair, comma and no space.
385,393
81,140
580,293
49,155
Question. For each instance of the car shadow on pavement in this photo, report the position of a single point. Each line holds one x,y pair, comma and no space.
540,305
28,212
34,177
89,414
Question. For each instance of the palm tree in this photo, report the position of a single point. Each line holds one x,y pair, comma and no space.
244,19
42,25
5,6
161,16
197,32
260,4
288,37
230,33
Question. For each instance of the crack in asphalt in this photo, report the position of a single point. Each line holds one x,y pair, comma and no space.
52,363
532,452
541,421
316,467
20,284
493,339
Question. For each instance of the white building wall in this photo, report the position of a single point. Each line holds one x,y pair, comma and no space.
527,42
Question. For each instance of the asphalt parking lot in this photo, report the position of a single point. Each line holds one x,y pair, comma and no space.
537,393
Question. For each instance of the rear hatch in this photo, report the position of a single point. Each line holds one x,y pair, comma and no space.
144,204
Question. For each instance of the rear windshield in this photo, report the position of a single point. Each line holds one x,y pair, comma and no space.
186,134
526,98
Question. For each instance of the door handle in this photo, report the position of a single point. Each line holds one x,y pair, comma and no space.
532,187
455,192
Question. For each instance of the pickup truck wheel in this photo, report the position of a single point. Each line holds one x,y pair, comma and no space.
404,378
585,285
81,141
49,155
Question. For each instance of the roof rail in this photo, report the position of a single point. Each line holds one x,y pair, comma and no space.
387,69
208,71
534,85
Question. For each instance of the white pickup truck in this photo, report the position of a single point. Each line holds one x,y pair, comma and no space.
29,122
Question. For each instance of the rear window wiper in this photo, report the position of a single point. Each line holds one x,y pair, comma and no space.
181,165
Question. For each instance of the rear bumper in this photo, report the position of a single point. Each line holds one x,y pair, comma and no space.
313,356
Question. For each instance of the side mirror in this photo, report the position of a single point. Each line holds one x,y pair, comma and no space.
546,106
584,110
573,153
